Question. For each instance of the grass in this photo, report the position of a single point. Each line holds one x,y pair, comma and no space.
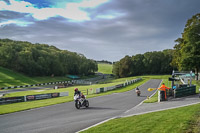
178,120
105,68
197,83
10,78
71,89
9,108
153,99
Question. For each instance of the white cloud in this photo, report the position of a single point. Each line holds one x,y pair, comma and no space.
16,22
72,11
18,6
111,15
88,3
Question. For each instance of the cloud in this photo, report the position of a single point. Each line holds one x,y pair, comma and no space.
19,23
108,31
73,11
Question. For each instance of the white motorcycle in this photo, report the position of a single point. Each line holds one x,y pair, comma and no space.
80,102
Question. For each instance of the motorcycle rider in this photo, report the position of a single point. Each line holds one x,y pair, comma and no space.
77,92
137,90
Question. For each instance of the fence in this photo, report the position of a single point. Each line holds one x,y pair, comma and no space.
104,89
83,82
53,95
31,97
185,91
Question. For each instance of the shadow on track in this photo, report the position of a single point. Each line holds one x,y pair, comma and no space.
98,108
142,96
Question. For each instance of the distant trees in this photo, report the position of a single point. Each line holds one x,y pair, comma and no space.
187,49
104,61
147,63
43,60
184,56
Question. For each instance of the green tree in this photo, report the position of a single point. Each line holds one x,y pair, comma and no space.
187,51
116,69
138,66
43,60
125,67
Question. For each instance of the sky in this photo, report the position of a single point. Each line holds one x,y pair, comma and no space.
99,29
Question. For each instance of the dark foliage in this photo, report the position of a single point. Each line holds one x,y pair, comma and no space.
43,60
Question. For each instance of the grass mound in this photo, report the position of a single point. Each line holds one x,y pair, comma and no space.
11,78
105,68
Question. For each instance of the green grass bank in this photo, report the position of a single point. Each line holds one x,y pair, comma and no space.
180,120
10,78
105,68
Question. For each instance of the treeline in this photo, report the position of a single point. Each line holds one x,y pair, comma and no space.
148,63
43,60
104,61
184,57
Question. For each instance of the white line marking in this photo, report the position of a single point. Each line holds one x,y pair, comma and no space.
161,109
96,124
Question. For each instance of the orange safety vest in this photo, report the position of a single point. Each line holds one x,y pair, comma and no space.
163,88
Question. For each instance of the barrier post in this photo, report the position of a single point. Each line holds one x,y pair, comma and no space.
158,95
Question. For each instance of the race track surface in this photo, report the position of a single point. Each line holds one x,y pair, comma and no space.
65,118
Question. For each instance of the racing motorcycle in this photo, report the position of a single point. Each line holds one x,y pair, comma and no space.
138,92
80,102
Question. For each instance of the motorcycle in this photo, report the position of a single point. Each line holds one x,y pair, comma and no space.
138,92
80,102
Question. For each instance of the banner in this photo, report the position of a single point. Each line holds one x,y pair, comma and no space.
11,99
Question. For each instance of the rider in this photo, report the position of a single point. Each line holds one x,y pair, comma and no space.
137,89
77,92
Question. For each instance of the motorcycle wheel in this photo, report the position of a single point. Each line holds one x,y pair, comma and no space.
86,103
77,104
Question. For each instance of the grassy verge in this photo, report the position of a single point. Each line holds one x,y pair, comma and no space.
170,121
71,89
11,78
153,99
105,68
9,108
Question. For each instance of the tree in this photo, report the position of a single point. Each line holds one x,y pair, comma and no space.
43,60
125,67
138,66
188,50
116,69
157,62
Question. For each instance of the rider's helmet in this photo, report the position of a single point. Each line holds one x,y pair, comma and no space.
76,89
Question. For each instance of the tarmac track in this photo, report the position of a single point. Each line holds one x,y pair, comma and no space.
65,118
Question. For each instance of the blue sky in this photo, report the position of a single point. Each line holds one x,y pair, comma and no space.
99,29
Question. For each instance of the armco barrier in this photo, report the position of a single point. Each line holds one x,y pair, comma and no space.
12,99
31,97
109,88
23,86
84,82
99,90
